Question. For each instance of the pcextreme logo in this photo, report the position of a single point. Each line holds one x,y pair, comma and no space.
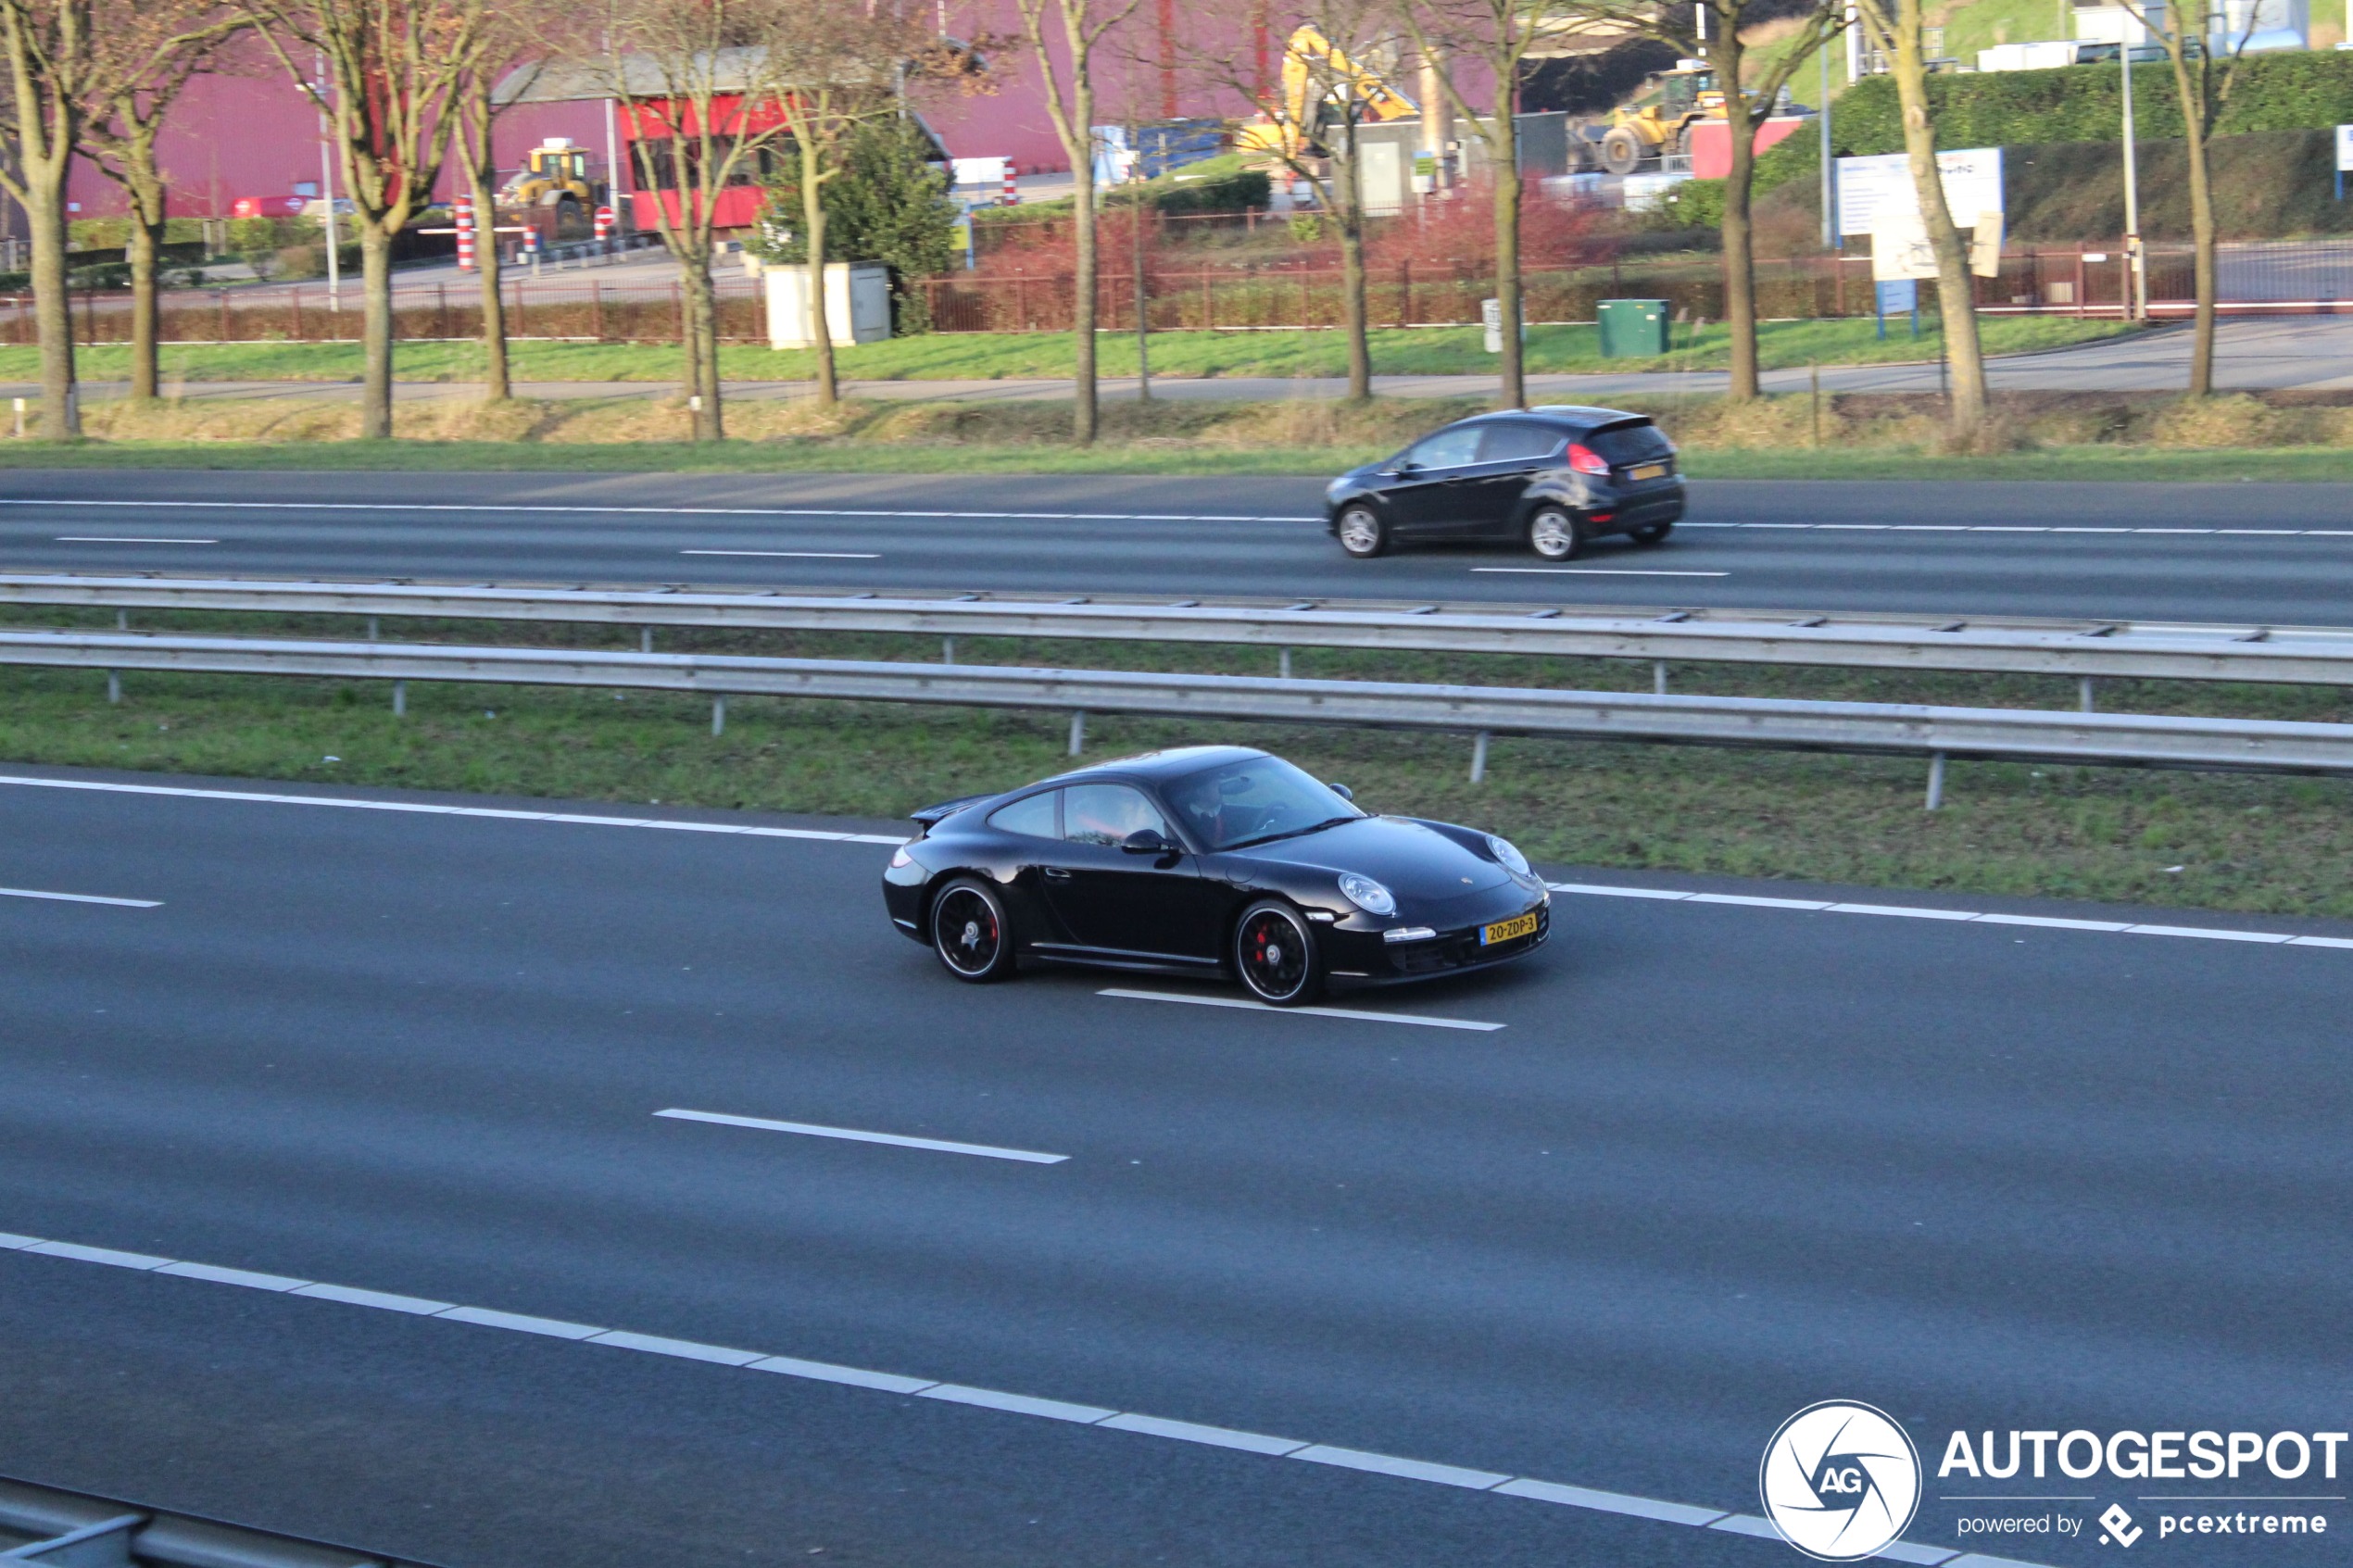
1839,1480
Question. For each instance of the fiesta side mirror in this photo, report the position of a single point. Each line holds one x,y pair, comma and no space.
1147,841
1343,791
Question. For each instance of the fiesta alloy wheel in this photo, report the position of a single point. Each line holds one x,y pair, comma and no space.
970,933
1554,535
1275,955
1361,533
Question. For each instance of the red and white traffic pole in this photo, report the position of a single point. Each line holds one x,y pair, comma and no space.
1013,196
605,222
464,209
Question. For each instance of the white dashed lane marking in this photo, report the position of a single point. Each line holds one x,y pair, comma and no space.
118,539
568,510
1355,1014
851,1135
2020,528
1390,1466
80,898
790,554
1914,912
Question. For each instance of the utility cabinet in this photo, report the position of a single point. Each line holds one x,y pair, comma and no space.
857,303
1634,328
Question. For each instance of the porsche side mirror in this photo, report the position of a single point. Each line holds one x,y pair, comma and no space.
1343,791
1147,841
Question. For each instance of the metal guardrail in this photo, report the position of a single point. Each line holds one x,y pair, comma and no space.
63,1529
1895,728
2083,649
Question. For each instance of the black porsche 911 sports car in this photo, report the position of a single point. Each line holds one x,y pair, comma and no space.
1207,860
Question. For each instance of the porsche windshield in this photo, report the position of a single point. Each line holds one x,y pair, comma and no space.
1246,802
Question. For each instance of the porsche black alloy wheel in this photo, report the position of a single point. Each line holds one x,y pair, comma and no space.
1276,956
970,933
1553,534
1361,533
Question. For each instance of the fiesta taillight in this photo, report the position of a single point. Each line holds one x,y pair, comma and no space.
1584,460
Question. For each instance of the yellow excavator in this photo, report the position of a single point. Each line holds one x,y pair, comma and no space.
1686,95
1306,58
555,174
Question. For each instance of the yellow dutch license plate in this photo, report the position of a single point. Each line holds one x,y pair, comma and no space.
1648,470
1508,930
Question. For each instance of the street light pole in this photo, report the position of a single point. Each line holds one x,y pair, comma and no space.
327,183
1830,172
2139,304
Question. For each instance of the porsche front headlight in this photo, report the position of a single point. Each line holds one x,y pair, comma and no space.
1507,855
1368,894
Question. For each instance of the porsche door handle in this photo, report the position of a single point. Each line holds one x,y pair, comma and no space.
1055,873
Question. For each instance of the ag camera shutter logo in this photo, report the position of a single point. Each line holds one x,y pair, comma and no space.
1839,1480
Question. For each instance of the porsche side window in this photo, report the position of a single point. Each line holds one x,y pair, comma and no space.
1448,449
1104,813
1033,816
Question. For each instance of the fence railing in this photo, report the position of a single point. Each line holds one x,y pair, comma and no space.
83,1530
2082,649
1937,732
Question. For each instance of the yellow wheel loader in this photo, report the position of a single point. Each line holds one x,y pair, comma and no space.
1685,97
555,174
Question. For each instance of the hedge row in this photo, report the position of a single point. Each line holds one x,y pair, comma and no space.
2289,90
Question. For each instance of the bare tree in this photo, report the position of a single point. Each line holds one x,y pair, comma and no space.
1330,87
55,63
1082,26
1713,29
155,51
702,84
849,55
391,69
2203,92
1501,33
1895,27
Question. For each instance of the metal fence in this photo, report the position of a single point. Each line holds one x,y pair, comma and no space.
83,1530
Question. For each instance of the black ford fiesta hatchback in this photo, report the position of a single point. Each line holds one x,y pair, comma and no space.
1550,478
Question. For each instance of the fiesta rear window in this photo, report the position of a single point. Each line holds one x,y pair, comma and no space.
1636,442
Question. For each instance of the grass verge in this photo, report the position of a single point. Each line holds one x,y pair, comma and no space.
2248,843
1024,355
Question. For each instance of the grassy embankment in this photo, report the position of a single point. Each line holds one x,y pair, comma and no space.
2109,437
1023,356
2248,843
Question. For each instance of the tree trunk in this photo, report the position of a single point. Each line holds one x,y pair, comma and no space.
53,309
1349,186
813,221
1740,248
702,355
1082,305
1955,288
375,273
1507,196
2201,226
145,253
497,384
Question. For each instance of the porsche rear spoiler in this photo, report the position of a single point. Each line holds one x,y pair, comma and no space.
930,817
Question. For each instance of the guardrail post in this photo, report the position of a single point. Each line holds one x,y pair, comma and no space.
946,650
114,686
644,639
719,716
400,699
1935,780
122,621
372,628
1078,732
1658,677
1285,667
2084,691
1478,758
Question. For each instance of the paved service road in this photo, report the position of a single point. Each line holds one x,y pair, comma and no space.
2276,554
1720,1160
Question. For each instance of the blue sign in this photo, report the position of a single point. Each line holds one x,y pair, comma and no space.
1898,294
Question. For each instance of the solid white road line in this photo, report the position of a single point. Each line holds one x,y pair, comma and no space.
81,899
2017,528
791,555
1394,1466
1909,911
114,539
851,1135
1352,1013
562,510
571,819
1593,572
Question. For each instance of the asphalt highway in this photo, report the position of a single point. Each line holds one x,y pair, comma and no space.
2275,554
1720,1160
